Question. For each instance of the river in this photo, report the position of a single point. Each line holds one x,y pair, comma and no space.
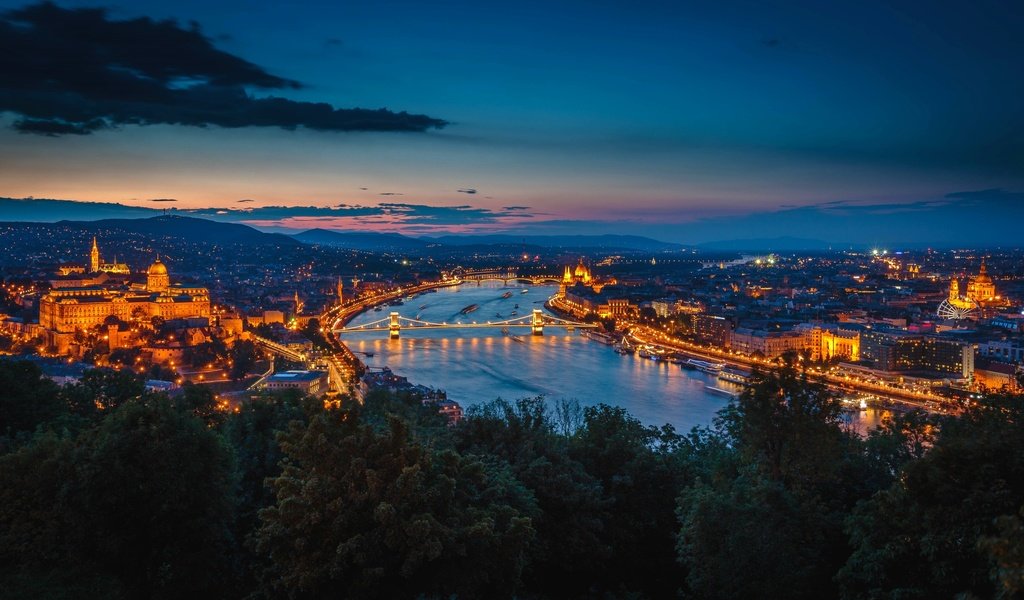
478,365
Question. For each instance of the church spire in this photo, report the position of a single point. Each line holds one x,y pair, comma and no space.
94,257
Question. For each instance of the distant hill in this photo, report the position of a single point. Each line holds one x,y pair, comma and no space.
604,242
361,240
185,228
779,244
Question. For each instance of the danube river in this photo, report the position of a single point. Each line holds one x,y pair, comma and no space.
478,365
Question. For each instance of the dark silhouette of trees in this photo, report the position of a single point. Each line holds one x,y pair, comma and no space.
109,491
381,516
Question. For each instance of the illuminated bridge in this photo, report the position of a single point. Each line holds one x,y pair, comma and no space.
505,276
395,323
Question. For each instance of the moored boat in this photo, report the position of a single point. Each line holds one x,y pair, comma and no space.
705,366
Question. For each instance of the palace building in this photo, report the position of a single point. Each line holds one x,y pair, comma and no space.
65,311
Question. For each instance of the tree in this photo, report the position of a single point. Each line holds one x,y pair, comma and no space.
786,425
752,539
243,357
139,505
36,558
1006,550
368,514
151,502
27,398
767,517
636,468
924,535
569,554
109,388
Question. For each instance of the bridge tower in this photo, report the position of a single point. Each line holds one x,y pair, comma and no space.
394,327
538,322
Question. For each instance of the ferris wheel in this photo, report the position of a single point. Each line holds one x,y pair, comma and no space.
953,312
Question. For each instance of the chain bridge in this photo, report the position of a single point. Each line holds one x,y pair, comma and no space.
394,323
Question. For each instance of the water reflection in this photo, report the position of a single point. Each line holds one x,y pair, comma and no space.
478,365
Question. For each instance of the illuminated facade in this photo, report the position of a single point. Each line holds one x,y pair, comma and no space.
980,291
98,266
832,342
95,266
65,311
580,275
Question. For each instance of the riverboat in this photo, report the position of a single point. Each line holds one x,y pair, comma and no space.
469,309
705,366
732,376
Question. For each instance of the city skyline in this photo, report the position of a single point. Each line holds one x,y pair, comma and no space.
676,123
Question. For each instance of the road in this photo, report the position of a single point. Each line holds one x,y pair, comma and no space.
648,335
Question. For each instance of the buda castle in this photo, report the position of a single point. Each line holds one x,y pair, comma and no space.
64,311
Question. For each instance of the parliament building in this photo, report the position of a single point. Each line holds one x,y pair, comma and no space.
65,311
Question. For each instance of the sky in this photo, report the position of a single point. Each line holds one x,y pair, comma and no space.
684,121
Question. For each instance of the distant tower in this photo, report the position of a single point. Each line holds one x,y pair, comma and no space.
298,304
340,293
567,277
94,257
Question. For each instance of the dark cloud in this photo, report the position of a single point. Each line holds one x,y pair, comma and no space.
76,71
390,194
466,191
243,200
163,199
511,208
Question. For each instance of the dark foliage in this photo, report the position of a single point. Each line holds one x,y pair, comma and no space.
107,491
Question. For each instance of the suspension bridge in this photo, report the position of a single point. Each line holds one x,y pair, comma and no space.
394,323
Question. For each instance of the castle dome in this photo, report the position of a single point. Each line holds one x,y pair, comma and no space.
157,268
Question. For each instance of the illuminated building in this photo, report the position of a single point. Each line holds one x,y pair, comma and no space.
712,329
581,276
902,351
827,342
98,266
981,291
66,311
768,344
95,267
307,382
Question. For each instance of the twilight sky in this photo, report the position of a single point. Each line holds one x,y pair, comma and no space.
686,121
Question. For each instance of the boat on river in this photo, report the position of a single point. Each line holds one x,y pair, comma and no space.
705,366
507,295
598,336
525,291
469,309
377,309
732,376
